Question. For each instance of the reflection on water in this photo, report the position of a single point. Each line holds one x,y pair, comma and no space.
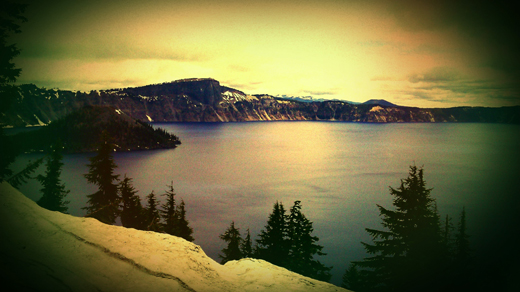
340,171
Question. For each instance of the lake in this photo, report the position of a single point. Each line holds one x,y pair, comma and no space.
339,171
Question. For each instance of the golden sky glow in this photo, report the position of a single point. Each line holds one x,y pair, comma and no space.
427,54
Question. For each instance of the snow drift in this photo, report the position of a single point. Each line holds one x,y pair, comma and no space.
49,251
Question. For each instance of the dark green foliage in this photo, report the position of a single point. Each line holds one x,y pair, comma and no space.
185,231
247,246
462,255
21,178
53,191
352,279
169,212
272,245
232,237
303,247
10,18
152,217
103,204
287,242
175,222
131,213
80,130
407,256
462,249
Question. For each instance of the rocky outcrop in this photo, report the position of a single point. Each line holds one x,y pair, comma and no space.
205,100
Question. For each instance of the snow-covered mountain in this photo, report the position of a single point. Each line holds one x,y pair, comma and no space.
50,251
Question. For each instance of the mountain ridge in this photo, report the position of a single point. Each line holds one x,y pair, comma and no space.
205,100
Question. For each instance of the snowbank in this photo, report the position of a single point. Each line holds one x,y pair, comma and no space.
49,251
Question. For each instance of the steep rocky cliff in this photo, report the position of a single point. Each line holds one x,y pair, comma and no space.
205,100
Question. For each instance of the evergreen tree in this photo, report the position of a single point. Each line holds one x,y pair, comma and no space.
352,279
103,204
406,256
185,231
152,216
462,249
272,245
247,246
462,258
131,208
170,213
53,191
21,177
10,18
303,247
232,252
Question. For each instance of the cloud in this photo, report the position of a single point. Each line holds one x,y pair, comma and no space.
436,74
328,92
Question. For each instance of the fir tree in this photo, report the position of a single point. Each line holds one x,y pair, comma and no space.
302,247
462,249
352,279
462,258
152,216
53,191
10,19
170,214
103,204
21,177
131,205
406,256
185,231
247,246
272,245
232,252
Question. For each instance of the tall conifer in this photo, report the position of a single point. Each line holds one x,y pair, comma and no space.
170,213
185,231
405,256
104,203
131,213
232,237
303,247
152,216
247,246
53,191
272,245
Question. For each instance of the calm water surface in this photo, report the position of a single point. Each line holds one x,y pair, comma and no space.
236,172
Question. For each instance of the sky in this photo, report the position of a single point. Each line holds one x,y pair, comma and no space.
413,53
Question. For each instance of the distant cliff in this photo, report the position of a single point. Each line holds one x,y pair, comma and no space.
205,100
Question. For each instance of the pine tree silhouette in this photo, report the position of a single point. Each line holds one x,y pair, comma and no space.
232,251
247,246
53,191
170,213
11,17
407,254
131,213
103,204
272,245
303,247
152,216
185,231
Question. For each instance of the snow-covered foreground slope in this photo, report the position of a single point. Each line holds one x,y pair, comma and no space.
48,251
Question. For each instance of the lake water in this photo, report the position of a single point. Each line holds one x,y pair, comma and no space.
339,171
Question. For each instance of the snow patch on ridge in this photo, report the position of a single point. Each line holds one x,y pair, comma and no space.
62,252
